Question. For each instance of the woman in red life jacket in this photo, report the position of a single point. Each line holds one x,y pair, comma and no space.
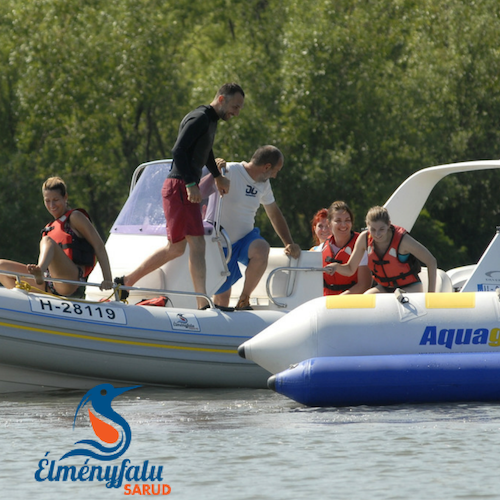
320,230
338,248
393,256
68,248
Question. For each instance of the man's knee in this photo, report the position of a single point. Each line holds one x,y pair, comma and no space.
259,249
196,244
176,249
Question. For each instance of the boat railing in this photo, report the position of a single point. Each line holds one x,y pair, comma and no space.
286,269
116,288
221,236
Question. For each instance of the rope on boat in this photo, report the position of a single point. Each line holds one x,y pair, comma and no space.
117,289
23,285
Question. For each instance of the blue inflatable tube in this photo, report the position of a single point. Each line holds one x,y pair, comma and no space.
391,379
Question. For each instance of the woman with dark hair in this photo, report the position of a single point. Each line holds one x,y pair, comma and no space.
338,248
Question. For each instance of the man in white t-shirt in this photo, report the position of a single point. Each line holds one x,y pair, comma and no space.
250,187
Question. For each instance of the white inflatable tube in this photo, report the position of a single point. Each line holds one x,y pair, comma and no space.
379,324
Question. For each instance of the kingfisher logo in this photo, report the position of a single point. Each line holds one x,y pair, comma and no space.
184,322
100,398
182,319
109,442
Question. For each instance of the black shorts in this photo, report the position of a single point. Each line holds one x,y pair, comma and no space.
79,293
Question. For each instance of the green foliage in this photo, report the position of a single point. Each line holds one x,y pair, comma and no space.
442,246
358,94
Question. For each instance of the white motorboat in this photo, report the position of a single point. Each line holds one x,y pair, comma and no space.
49,342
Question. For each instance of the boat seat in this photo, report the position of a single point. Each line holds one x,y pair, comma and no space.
460,275
288,287
443,281
296,287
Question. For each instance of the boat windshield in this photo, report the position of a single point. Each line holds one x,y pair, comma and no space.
143,211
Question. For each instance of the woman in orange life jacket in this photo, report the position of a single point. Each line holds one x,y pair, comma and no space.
320,229
68,248
393,256
338,248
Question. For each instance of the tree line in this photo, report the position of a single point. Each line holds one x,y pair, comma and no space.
358,94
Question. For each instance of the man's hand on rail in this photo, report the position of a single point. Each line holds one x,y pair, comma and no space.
293,250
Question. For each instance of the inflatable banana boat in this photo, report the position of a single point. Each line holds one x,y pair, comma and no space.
342,350
378,324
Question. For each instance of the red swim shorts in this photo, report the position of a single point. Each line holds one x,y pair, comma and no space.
183,217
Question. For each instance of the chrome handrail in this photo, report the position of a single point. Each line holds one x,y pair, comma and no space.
221,235
115,287
170,292
223,239
274,271
58,280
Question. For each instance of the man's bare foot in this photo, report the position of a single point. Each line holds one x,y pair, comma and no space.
36,272
244,304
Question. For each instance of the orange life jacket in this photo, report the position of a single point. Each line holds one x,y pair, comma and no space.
336,284
388,270
79,250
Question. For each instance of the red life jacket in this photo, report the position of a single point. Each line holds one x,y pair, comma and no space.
79,250
157,301
336,284
388,270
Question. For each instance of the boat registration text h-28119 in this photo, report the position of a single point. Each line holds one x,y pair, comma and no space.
102,313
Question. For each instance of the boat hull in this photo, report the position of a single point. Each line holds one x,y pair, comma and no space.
389,380
47,342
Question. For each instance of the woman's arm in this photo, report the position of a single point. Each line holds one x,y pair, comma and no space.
364,281
350,267
410,245
84,228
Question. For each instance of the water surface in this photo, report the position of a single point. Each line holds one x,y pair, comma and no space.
255,444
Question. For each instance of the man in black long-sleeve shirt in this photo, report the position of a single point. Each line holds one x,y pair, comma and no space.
181,194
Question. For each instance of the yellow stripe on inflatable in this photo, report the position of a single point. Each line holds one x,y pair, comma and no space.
352,301
466,300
